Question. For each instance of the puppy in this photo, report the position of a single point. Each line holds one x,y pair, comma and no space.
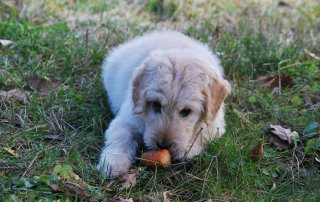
163,88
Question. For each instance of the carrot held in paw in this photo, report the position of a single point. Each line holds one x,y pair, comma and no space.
161,158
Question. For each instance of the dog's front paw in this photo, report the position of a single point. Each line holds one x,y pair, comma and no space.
113,165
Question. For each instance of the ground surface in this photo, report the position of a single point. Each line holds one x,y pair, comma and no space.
53,108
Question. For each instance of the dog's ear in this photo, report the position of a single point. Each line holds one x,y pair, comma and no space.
215,93
141,80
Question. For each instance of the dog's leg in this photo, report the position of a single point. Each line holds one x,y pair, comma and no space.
120,148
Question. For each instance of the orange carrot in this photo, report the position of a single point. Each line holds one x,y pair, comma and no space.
162,157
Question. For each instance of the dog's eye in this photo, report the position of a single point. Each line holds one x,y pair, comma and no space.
185,112
156,106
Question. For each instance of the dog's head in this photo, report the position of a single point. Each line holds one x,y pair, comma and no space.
176,91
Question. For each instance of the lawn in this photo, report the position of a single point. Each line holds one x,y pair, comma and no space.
54,109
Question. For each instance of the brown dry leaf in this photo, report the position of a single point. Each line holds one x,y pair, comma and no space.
283,4
55,187
281,144
43,86
126,200
256,152
273,81
166,194
5,42
15,93
136,171
11,151
130,179
284,134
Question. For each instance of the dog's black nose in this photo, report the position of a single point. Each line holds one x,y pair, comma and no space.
164,145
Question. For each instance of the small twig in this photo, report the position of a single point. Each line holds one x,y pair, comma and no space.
33,128
13,168
30,164
242,116
198,178
186,154
311,54
204,183
13,189
87,37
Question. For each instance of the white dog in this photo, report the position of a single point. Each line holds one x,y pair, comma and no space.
163,87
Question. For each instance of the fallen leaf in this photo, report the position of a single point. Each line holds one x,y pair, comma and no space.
126,200
256,152
273,81
55,187
166,194
283,4
15,93
43,86
284,134
5,42
136,171
130,179
281,144
11,151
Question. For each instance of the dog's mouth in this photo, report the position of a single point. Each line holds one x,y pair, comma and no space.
177,156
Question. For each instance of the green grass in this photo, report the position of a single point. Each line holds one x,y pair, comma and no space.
65,126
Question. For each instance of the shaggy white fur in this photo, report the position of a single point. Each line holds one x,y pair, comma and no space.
163,87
